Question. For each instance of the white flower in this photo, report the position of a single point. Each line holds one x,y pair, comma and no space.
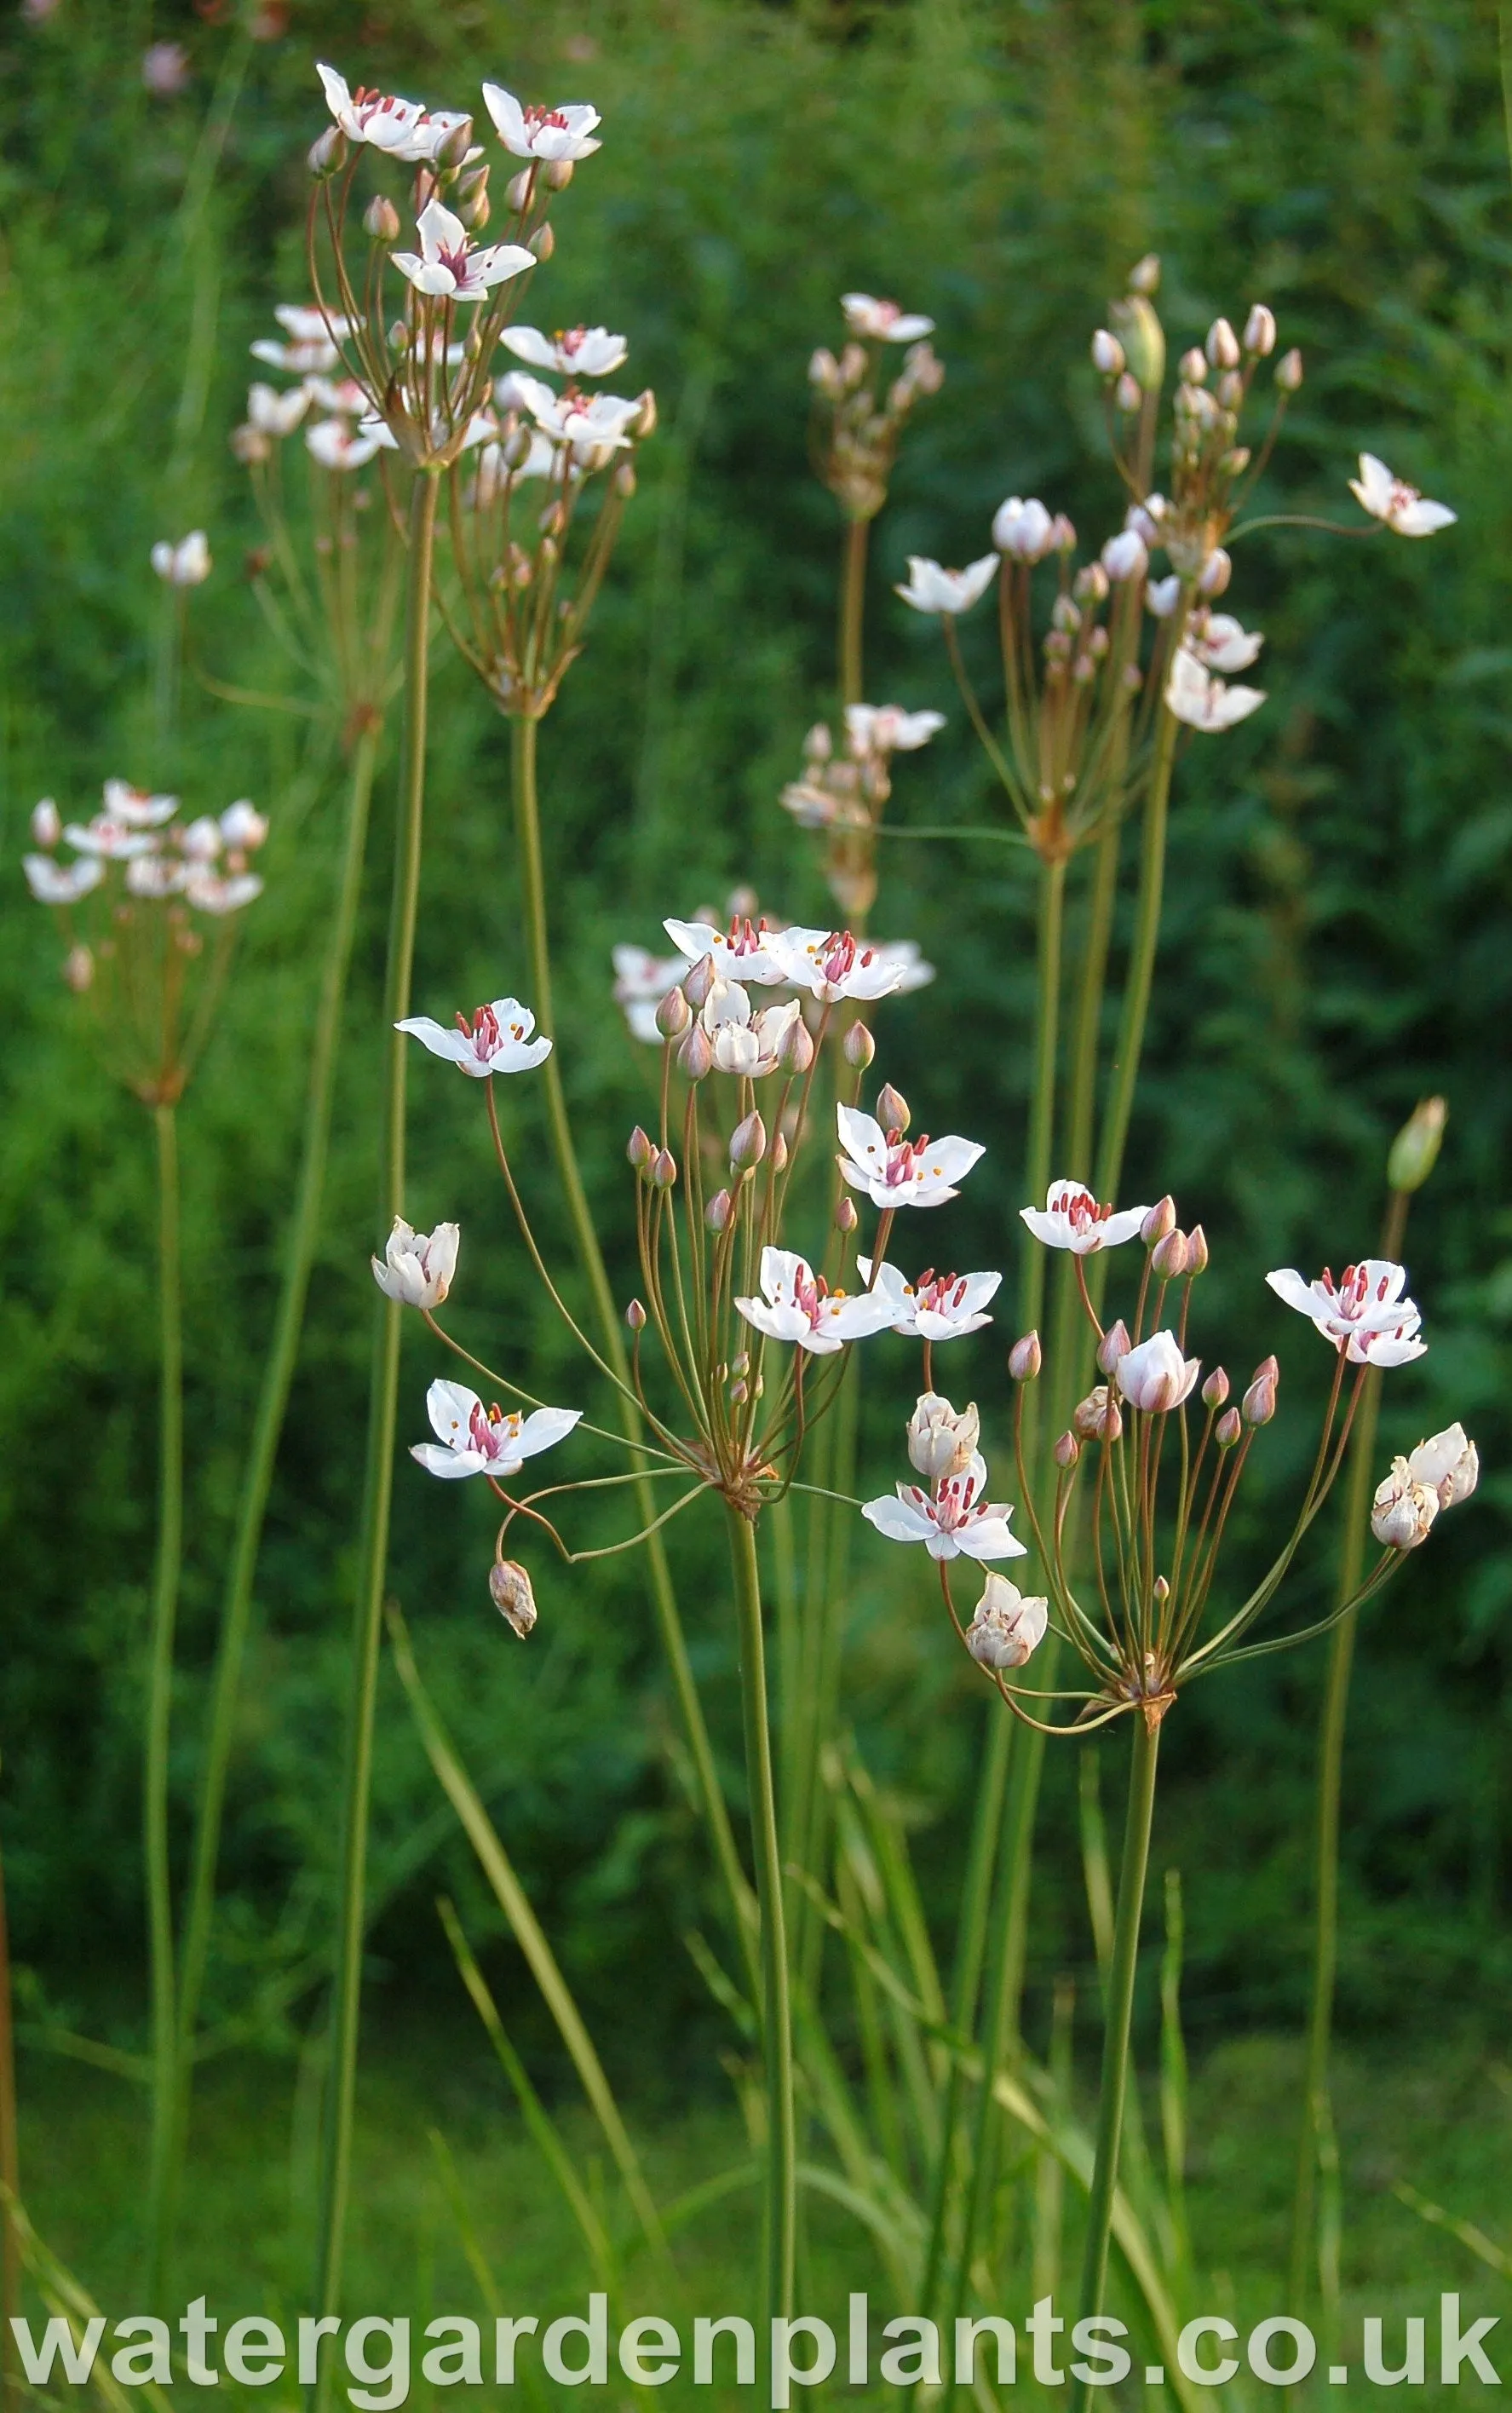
134,809
1025,530
157,875
883,321
579,351
497,1039
796,1305
336,445
1126,555
746,952
60,883
951,1520
1450,1463
477,1441
563,133
1072,1219
886,729
896,1172
243,827
313,338
210,893
1396,1348
276,412
832,966
416,1268
938,1307
1007,1625
743,1042
1194,696
184,564
47,823
1220,645
1398,505
1155,1376
1368,1300
402,128
342,397
165,69
929,588
905,955
203,839
1438,1475
641,979
1162,596
941,1443
113,841
449,264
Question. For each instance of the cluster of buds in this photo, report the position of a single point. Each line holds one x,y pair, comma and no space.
127,899
855,434
844,794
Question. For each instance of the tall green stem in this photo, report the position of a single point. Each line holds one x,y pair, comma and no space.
272,1402
1316,2129
1115,2072
1141,961
781,2217
1050,921
853,609
9,2176
611,1331
160,1696
372,1557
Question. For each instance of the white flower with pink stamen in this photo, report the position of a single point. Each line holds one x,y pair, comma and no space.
451,265
797,1305
938,1307
1194,696
832,966
641,979
883,321
1394,503
931,588
402,129
952,1519
743,1042
898,1172
498,1040
887,729
474,1440
1072,1219
746,952
531,132
1368,1300
575,351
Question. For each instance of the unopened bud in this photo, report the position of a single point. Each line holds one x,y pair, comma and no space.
795,1049
663,1169
1160,1220
1258,1405
1144,276
1289,371
846,1218
635,1317
1193,366
1196,1250
645,422
47,828
1097,1415
700,981
748,1143
859,1046
78,969
1415,1149
517,191
512,1596
1260,331
1216,1389
623,481
542,242
328,152
673,1015
381,219
1025,1358
1106,353
696,1056
458,143
1222,344
1226,1431
892,1109
559,175
779,1152
1128,396
1215,574
474,207
1114,1344
740,1392
639,1149
717,1213
1067,1450
1168,1258
1143,338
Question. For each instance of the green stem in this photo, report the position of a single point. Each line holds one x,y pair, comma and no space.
1141,961
1049,920
781,2221
10,2393
852,608
373,1552
611,1331
273,1403
160,1695
1076,1155
1318,2113
1115,2072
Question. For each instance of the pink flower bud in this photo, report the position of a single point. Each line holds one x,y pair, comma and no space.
328,154
1025,1358
639,1149
381,219
1128,396
663,1169
1107,354
1168,1258
859,1046
700,981
1193,366
748,1143
635,1317
512,1596
1160,1220
645,422
1260,331
697,1053
1114,1344
1216,1389
779,1152
795,1049
542,242
1196,1250
846,1218
1258,1404
1066,1451
1144,276
717,1213
517,191
673,1015
558,174
892,1109
1289,371
1215,574
1222,344
1226,1432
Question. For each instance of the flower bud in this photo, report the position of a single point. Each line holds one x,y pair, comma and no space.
512,1596
328,154
635,1317
1289,371
517,191
1125,555
1215,574
779,1152
1126,394
1066,1451
458,143
1143,338
1144,276
645,422
1006,1626
558,174
699,981
1258,1405
381,219
1168,1258
1193,368
1226,1431
695,1054
739,1391
1097,1416
859,1046
1222,344
892,1109
1414,1151
663,1169
1091,584
1160,1220
249,445
475,209
639,1149
940,1441
78,969
542,242
1260,331
795,1049
846,1218
1114,1344
47,825
748,1143
1216,1389
1025,1358
718,1212
1107,354
1196,1252
673,1015
623,481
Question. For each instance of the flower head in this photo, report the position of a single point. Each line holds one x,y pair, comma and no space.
951,1518
62,883
1155,1376
449,264
531,132
1072,1219
898,1172
832,966
1193,695
1437,1474
930,588
746,952
882,322
474,1440
1220,644
416,1268
400,128
887,729
336,444
1396,504
940,1441
498,1040
184,564
1365,1312
580,351
1023,530
744,1042
796,1305
276,410
1007,1624
937,1306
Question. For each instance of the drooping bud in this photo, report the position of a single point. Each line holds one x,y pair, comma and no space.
542,242
1222,344
940,1441
1160,1220
1066,1451
1226,1431
635,1317
1196,1252
1025,1358
718,1212
1258,1405
892,1109
1097,1416
859,1046
1216,1389
1415,1149
748,1143
695,1053
1260,331
1215,574
1114,1344
381,219
1106,353
673,1015
697,982
795,1049
512,1596
328,154
1289,371
846,1218
1168,1258
663,1169
640,1149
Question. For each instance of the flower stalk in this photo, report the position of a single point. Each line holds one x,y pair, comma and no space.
160,1702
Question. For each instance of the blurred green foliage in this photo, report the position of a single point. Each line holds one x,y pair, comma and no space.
1336,941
